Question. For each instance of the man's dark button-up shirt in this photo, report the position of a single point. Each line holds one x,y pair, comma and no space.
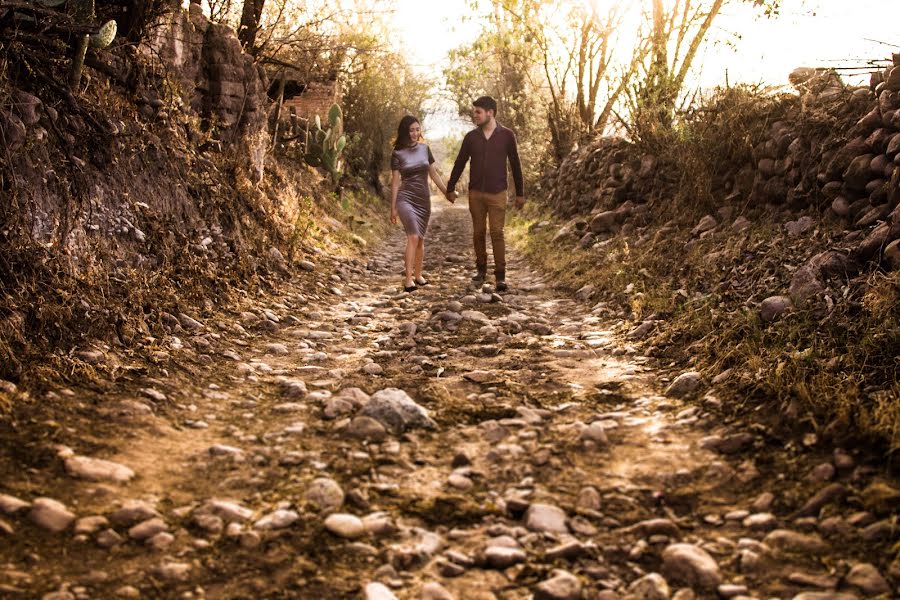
487,171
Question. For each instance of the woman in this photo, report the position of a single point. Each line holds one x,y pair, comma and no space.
411,165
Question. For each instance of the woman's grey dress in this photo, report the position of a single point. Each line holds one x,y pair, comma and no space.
414,197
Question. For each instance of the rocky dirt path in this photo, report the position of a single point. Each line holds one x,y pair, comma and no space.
346,440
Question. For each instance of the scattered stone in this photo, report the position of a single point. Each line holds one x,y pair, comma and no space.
373,369
825,596
649,587
345,526
10,505
90,525
707,223
561,586
224,450
394,409
684,384
278,519
785,540
378,591
692,566
826,495
774,307
589,498
502,557
866,577
50,514
109,538
595,432
761,522
880,497
174,571
294,389
366,428
227,510
326,494
132,512
95,469
147,529
435,591
546,518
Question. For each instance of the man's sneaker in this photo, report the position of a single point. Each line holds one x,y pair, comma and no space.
479,276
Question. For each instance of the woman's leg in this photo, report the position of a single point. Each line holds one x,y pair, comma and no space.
412,245
420,256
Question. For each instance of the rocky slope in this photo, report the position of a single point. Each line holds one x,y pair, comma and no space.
761,246
143,197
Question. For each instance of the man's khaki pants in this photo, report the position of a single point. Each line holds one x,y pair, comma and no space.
490,208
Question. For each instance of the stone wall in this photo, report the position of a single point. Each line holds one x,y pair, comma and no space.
835,158
215,79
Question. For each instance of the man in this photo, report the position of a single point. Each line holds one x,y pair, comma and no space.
488,146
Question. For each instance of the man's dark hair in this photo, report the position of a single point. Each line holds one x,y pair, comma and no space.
487,103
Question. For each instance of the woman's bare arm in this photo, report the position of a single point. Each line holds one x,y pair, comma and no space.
395,190
436,178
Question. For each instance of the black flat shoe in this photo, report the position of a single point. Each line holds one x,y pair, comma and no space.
411,288
423,282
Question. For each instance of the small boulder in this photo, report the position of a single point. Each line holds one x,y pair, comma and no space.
394,409
692,566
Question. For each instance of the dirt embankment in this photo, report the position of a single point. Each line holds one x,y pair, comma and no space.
757,245
150,194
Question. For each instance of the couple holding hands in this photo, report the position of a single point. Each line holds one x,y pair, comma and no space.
488,147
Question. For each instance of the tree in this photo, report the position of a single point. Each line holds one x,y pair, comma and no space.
250,17
675,34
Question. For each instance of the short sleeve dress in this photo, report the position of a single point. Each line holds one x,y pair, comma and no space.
414,197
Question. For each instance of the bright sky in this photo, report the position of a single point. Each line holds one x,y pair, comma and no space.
807,33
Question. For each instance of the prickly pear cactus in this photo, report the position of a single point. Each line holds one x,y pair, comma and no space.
325,147
105,36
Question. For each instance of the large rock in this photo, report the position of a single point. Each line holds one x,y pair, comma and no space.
394,409
96,469
691,565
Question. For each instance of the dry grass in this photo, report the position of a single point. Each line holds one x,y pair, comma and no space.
834,371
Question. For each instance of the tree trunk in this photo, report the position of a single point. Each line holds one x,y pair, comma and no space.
250,16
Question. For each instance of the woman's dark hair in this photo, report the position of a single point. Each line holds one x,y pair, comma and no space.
403,140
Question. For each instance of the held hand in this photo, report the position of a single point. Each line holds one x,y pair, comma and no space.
394,217
451,197
520,202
